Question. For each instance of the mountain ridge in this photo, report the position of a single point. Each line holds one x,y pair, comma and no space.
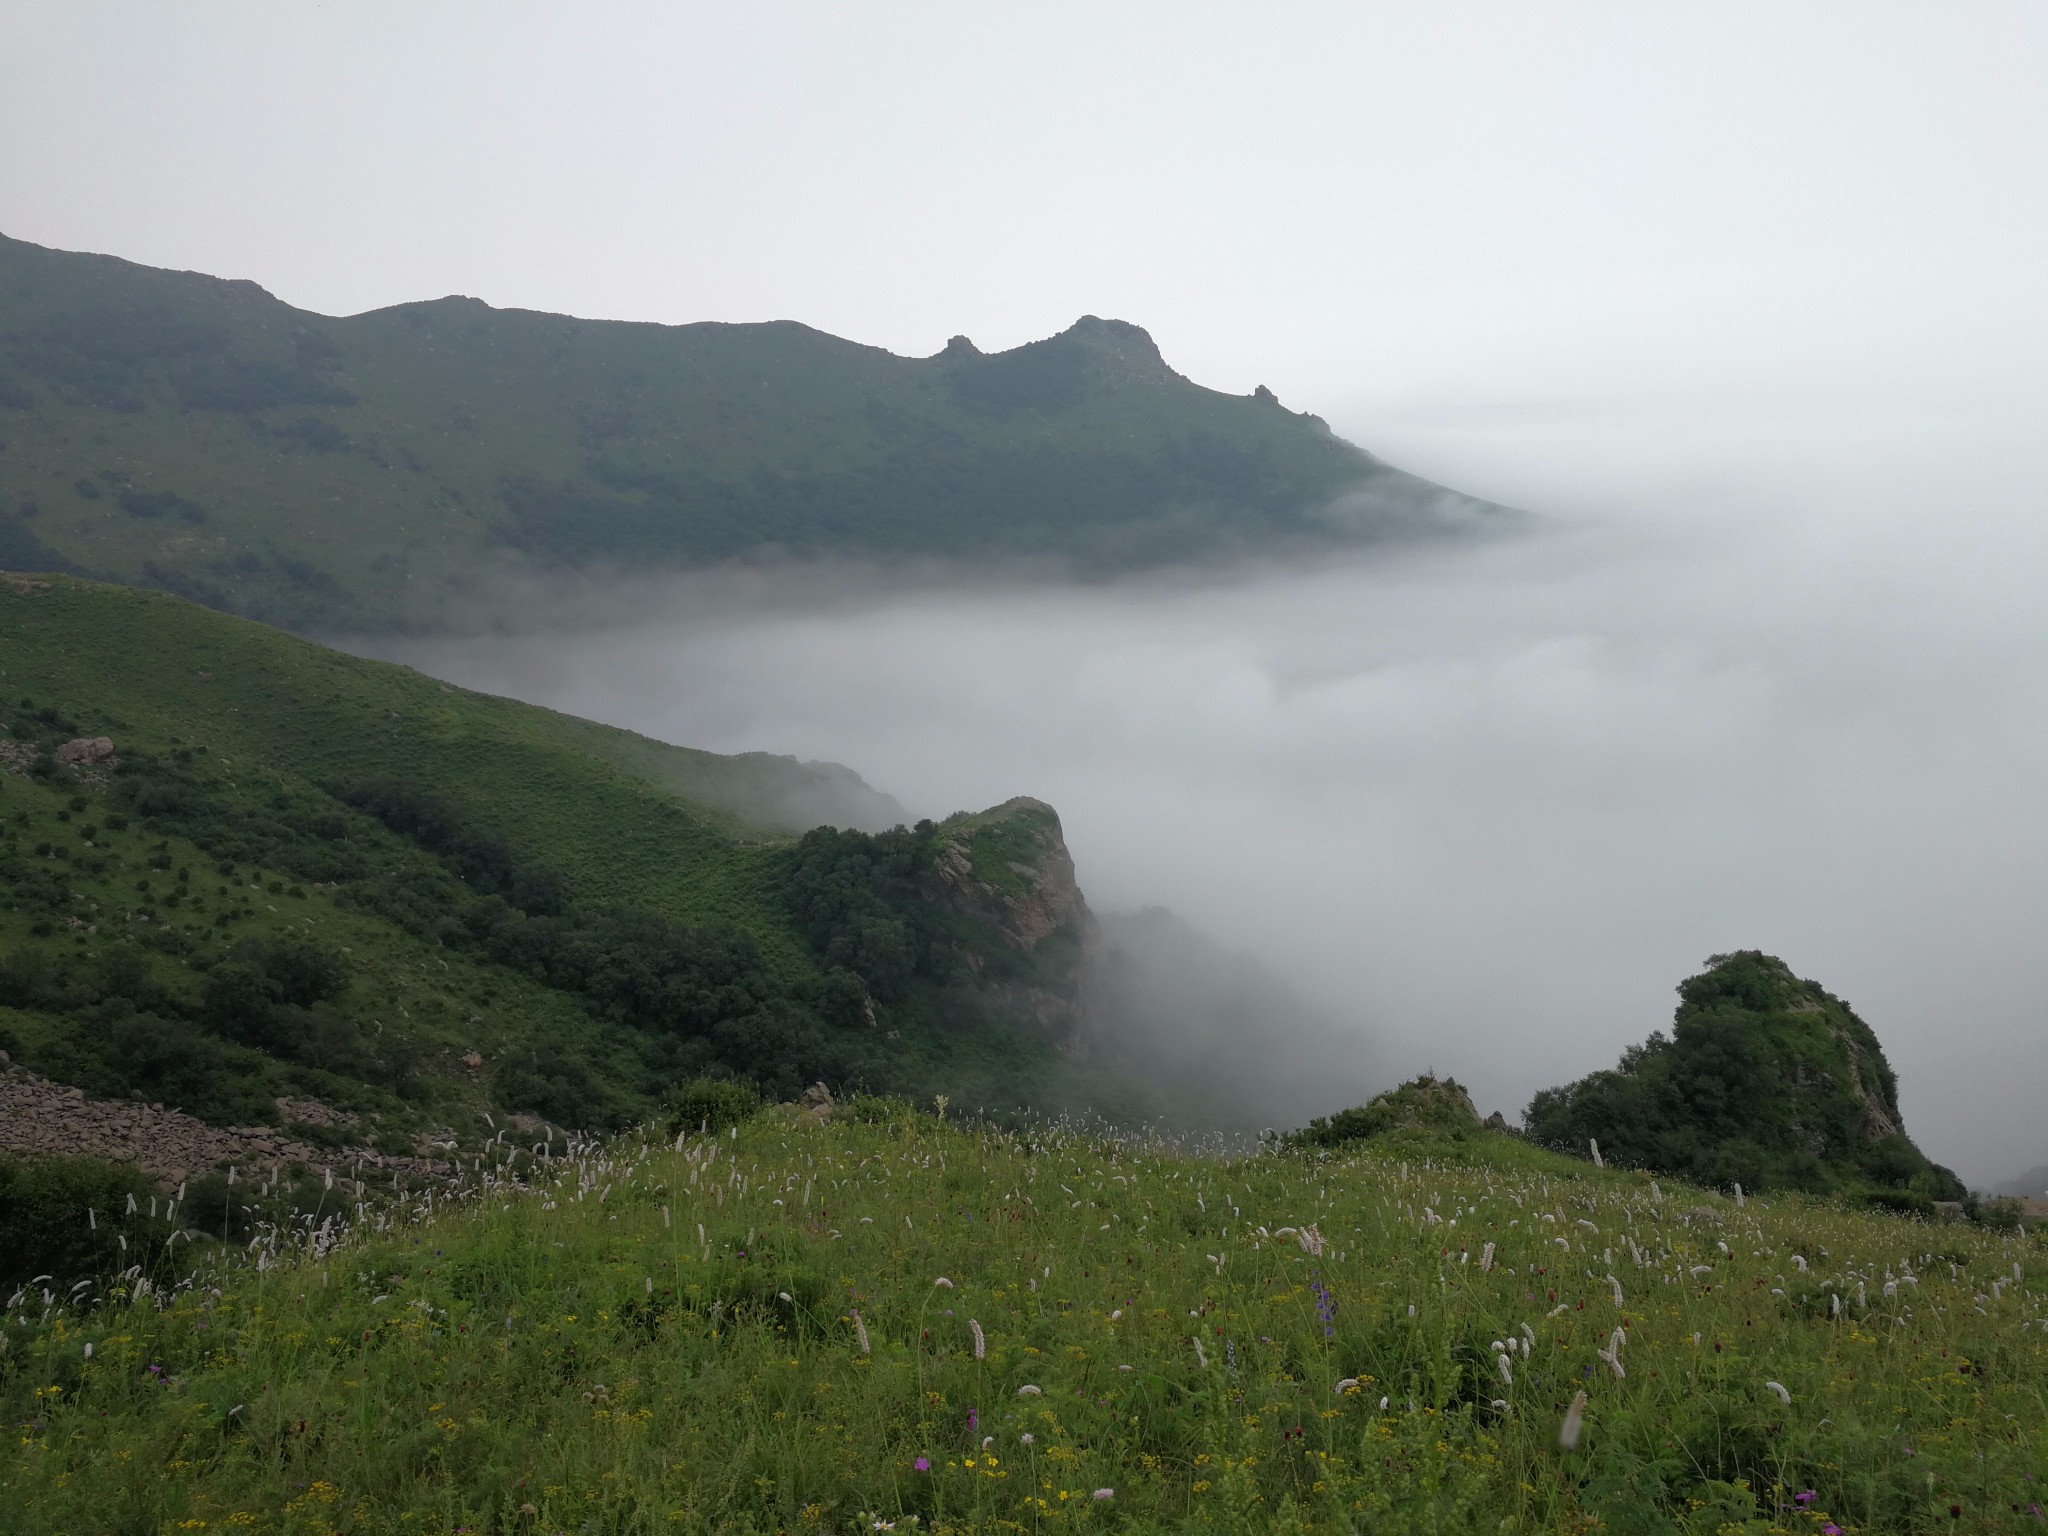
396,469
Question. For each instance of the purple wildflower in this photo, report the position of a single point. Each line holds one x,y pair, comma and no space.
1326,1307
923,1464
1804,1498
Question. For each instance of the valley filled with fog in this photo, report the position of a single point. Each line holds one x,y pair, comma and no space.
1483,805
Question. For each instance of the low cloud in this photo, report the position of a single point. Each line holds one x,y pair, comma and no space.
1484,806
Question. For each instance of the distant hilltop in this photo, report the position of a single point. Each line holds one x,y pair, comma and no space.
406,468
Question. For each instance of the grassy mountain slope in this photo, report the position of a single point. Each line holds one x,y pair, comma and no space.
1767,1081
311,875
904,1326
198,435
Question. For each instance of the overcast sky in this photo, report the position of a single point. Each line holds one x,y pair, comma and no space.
1407,217
1748,297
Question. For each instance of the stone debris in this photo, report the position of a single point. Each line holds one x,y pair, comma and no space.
41,1117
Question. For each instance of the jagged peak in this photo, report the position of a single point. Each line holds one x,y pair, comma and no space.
1117,335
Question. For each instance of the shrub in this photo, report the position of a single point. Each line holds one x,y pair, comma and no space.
45,1227
711,1104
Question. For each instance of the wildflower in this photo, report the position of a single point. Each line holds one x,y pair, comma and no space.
1507,1372
1027,1438
1486,1258
1804,1498
980,1340
922,1464
1574,1422
1200,1353
1104,1493
1027,1390
942,1280
1783,1396
1346,1385
860,1334
1326,1308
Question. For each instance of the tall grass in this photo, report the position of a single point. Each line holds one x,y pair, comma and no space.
746,1333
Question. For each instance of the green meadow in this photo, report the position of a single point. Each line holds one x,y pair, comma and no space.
892,1322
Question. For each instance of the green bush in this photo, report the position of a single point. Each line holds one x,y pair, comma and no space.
1429,1105
68,1217
711,1104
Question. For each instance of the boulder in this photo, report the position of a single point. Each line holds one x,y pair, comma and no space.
817,1102
85,751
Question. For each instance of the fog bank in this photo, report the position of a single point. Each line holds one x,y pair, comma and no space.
1489,804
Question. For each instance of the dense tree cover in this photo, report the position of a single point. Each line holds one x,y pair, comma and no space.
202,1016
1765,1081
697,999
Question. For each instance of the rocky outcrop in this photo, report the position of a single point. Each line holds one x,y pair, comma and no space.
41,1117
1008,871
86,752
1766,1080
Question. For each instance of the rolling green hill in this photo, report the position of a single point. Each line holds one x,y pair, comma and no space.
303,875
396,469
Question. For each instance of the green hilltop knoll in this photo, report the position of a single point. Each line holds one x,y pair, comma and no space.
1767,1081
267,884
403,469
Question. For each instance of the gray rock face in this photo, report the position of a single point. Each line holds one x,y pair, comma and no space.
85,752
